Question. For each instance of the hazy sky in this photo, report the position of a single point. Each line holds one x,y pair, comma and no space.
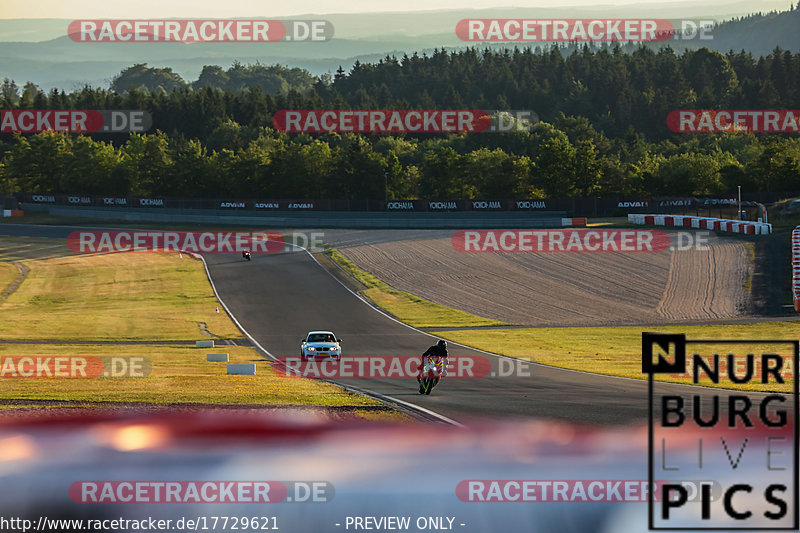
73,9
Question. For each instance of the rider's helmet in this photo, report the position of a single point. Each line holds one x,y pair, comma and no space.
442,343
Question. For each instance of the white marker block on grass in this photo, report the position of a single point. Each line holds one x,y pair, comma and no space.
217,357
242,370
204,344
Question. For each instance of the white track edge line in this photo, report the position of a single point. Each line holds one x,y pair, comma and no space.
425,332
376,395
540,365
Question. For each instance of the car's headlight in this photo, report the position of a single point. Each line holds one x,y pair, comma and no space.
310,348
334,348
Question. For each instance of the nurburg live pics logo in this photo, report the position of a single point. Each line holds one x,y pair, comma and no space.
747,441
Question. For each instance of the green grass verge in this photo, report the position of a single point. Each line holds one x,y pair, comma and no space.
139,296
614,351
127,296
180,374
408,308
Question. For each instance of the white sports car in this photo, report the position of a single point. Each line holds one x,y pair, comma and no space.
321,344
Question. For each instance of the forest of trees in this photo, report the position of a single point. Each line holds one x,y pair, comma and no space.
272,79
603,132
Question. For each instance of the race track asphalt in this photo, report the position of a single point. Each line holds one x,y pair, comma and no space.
279,297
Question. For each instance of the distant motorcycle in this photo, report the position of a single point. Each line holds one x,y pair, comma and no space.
246,255
431,371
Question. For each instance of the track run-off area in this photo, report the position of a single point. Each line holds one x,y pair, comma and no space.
277,298
699,281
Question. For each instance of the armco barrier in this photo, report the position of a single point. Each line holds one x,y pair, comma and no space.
796,268
322,219
204,344
718,224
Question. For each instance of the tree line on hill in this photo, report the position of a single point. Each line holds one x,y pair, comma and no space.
603,129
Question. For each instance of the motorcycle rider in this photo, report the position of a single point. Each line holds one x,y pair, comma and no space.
246,254
437,350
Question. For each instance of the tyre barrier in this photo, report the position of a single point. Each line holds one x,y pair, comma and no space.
796,268
745,227
12,213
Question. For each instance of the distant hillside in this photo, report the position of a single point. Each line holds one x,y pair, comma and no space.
65,64
759,33
411,23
